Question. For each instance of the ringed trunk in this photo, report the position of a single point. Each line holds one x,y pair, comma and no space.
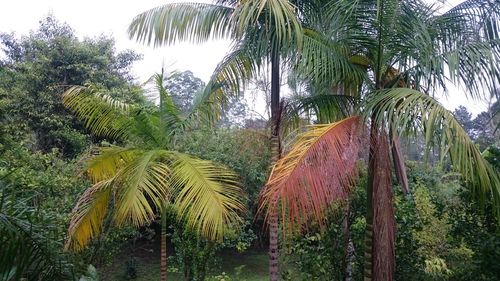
275,150
163,246
380,228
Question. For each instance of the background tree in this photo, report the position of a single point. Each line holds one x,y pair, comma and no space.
183,87
40,141
38,68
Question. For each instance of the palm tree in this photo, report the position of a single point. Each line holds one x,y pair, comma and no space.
263,32
143,177
410,52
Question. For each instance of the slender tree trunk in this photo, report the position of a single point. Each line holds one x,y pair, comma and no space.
349,245
163,245
275,150
380,229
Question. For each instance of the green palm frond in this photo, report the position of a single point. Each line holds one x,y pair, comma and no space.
412,113
279,15
192,22
147,128
476,18
322,59
208,195
326,108
26,254
102,114
170,115
227,82
476,65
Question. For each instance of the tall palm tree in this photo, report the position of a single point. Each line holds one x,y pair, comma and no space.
263,32
144,176
410,51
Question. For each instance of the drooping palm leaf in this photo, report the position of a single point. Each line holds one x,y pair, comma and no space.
192,22
141,187
279,15
102,114
322,59
136,179
208,195
320,168
326,108
228,80
88,215
108,161
412,112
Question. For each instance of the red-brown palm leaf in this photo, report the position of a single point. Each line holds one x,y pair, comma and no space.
319,169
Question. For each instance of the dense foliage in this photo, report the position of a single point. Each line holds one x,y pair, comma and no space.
39,140
441,235
442,231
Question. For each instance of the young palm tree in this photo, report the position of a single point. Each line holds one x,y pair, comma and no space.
143,177
409,51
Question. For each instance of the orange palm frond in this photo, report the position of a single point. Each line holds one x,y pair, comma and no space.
320,168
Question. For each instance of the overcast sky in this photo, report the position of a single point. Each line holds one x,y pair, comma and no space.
90,18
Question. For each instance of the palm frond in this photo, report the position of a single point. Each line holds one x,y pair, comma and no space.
136,179
170,115
24,252
102,114
192,22
228,81
411,112
88,215
322,59
108,161
320,168
325,108
208,195
278,14
141,187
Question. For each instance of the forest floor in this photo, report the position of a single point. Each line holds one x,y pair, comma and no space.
252,265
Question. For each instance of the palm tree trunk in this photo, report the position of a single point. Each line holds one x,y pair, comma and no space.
380,229
275,150
163,246
349,250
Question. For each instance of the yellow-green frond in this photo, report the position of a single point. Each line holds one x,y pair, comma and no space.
102,114
88,215
141,187
320,168
208,195
412,112
108,161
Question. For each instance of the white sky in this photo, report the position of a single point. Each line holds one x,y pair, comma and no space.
91,18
